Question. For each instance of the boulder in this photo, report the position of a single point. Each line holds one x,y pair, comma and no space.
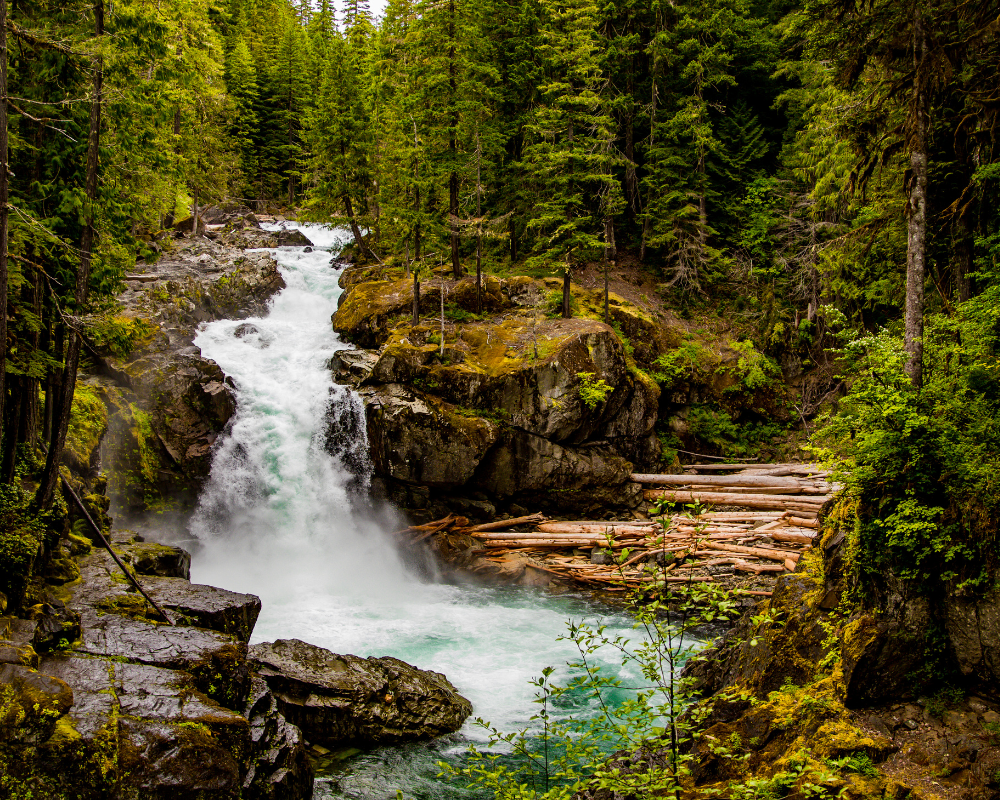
217,663
152,558
292,238
419,439
167,404
489,415
105,589
337,699
280,768
973,625
139,730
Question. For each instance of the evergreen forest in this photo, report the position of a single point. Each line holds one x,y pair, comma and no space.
823,176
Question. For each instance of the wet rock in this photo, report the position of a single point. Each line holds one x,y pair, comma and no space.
104,588
974,633
416,439
279,769
338,699
56,626
216,662
206,606
151,558
352,366
157,735
293,238
32,702
17,653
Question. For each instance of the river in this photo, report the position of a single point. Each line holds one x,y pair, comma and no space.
283,517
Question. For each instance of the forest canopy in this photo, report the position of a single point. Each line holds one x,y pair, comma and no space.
808,166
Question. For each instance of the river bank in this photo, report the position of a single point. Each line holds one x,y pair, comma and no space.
287,513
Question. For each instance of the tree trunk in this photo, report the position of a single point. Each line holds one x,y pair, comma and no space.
567,308
456,264
12,427
194,218
50,474
355,230
646,225
416,298
916,212
479,224
407,258
4,196
168,221
963,255
610,255
631,178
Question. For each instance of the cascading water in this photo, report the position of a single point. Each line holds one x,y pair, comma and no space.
278,518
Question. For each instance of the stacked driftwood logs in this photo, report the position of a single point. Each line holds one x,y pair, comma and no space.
778,518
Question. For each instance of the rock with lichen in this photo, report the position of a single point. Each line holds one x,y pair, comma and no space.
339,699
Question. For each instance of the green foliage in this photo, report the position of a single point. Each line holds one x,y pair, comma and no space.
754,370
592,390
922,464
566,754
455,314
21,535
717,429
118,334
690,361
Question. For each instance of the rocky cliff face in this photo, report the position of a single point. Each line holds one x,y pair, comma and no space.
516,408
166,404
905,690
124,706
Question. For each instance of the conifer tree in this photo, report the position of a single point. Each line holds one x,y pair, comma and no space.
570,157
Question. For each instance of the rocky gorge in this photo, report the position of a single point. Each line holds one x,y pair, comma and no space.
486,413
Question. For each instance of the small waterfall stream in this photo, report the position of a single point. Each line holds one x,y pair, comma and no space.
279,517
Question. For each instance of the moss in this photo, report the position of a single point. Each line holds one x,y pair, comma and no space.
88,422
131,605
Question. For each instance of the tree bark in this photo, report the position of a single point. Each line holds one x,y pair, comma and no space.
567,308
916,228
416,297
610,253
50,474
479,224
4,197
456,264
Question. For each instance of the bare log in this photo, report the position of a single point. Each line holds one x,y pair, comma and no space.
759,552
759,568
717,480
616,528
530,519
782,503
795,538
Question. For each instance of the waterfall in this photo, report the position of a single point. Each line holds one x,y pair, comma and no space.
281,497
283,515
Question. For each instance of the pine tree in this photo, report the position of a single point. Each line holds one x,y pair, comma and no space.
570,157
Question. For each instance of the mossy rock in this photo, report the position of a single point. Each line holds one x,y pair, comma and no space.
88,422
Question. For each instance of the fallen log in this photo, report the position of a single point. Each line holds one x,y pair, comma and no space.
759,568
759,552
779,502
717,480
802,522
597,528
797,538
530,519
